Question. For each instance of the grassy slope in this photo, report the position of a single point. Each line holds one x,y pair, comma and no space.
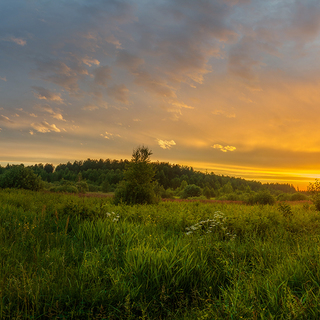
65,257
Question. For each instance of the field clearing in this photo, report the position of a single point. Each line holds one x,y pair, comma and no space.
70,257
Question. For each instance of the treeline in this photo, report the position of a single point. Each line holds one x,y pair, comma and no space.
105,175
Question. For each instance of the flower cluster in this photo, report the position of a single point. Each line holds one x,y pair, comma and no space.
115,217
207,226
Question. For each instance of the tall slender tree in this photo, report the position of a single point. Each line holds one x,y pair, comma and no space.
138,183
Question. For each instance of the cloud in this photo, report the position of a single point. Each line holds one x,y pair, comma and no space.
166,144
58,72
18,41
102,75
245,58
119,93
89,62
5,119
154,84
48,109
227,114
45,127
129,60
90,107
175,106
305,22
4,78
111,39
108,135
184,35
223,148
45,94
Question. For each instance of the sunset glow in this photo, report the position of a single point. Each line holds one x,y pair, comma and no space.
229,86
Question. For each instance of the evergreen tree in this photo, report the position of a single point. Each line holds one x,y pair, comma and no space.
137,186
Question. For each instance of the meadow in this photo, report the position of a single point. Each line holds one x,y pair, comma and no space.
70,257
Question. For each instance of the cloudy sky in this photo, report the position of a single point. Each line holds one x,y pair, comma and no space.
231,86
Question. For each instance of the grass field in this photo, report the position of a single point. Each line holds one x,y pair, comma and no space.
70,257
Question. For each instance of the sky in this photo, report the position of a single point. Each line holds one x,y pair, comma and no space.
228,86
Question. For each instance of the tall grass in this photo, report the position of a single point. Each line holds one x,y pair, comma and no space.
65,257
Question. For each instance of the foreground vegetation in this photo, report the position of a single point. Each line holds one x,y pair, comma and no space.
70,257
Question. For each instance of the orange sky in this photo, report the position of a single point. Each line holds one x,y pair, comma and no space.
230,86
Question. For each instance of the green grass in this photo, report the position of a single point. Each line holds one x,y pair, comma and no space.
65,257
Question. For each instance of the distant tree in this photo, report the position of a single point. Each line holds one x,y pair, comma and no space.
82,186
227,188
48,168
21,178
137,186
184,183
175,183
207,192
105,186
191,190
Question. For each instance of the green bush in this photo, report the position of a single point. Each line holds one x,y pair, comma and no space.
94,188
262,197
65,188
191,190
284,197
82,186
106,186
298,197
314,189
21,178
168,194
207,192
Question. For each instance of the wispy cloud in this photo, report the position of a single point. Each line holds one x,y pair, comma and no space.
102,75
18,41
45,127
110,136
3,78
227,114
89,61
54,114
223,148
166,144
119,93
90,107
45,94
5,119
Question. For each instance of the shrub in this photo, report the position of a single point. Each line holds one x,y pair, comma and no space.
207,192
168,194
298,197
65,186
285,209
21,178
284,197
314,189
105,186
82,186
316,202
191,190
264,197
94,188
